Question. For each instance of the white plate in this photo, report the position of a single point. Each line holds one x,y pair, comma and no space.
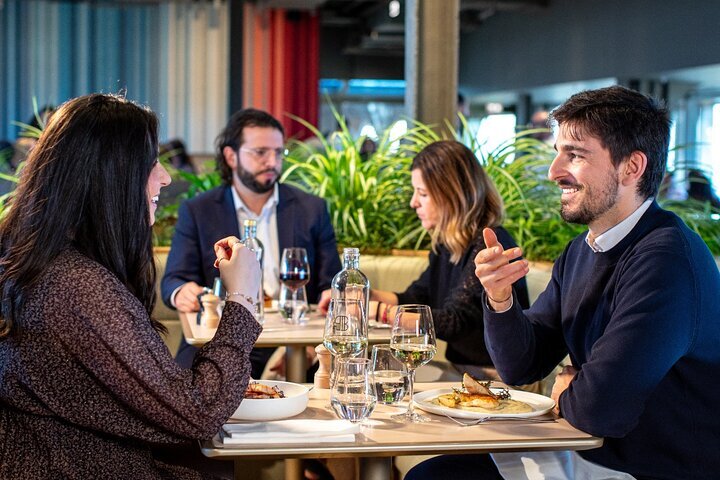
539,403
262,409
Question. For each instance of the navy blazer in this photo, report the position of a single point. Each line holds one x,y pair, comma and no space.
302,220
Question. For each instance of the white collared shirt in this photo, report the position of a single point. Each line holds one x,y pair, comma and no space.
267,233
608,239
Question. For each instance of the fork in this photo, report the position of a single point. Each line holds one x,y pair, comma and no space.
482,420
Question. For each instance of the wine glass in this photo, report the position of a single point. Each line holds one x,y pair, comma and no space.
294,273
353,395
413,343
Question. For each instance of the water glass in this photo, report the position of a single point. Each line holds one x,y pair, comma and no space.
294,311
352,396
390,375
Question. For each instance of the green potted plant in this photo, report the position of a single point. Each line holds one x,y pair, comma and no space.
368,195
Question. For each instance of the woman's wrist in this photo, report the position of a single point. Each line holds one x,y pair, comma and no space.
385,312
246,301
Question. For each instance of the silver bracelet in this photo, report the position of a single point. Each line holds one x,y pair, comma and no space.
247,298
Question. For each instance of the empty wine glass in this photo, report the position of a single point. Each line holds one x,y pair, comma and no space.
413,343
353,395
294,274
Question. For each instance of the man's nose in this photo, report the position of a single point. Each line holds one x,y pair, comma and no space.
556,168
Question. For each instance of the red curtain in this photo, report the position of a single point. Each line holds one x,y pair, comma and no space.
281,65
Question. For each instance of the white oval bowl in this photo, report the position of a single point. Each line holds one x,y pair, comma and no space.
261,409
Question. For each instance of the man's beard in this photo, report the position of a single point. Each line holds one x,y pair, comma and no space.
249,179
594,203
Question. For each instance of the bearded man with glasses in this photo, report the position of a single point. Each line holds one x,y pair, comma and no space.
250,153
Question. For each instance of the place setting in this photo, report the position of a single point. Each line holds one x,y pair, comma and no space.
269,414
285,412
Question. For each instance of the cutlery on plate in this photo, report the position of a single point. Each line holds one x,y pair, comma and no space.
478,421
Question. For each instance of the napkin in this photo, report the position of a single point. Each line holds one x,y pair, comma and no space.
289,431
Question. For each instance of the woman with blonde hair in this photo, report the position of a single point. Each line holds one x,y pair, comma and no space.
454,199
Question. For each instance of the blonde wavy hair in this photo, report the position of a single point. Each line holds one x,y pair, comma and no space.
464,195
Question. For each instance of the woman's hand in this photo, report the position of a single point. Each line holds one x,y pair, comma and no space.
239,269
324,301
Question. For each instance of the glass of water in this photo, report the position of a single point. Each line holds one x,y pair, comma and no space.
353,395
293,311
390,375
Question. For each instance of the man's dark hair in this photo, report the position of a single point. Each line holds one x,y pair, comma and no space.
624,121
231,136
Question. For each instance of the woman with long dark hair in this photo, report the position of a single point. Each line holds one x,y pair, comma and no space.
87,385
454,199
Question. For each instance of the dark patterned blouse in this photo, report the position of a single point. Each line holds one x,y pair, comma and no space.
87,387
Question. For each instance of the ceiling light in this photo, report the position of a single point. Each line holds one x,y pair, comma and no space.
494,107
394,8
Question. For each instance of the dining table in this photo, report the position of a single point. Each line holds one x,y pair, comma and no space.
380,438
277,332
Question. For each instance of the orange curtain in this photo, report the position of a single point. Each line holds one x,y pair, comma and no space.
281,65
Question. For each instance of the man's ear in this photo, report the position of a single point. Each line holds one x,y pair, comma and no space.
230,156
633,168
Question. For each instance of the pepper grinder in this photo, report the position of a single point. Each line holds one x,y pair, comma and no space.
210,317
322,376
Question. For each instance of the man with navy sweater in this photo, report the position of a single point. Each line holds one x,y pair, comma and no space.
634,302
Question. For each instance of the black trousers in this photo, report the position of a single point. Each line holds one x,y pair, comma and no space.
455,467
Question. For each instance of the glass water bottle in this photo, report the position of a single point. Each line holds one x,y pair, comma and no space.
350,282
251,241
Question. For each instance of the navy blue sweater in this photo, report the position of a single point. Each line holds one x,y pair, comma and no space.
641,322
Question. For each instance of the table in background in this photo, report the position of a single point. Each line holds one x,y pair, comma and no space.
383,438
277,333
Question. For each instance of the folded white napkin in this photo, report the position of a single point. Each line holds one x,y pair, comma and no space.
290,431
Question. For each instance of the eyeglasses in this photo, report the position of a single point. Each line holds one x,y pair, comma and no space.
261,153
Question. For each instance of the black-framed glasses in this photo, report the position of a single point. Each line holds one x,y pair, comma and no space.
261,153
